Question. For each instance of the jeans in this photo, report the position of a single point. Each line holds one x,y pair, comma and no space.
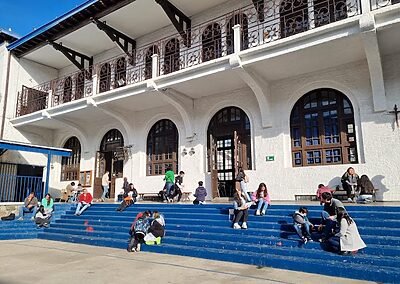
302,227
23,210
105,191
262,205
78,210
334,244
329,224
169,186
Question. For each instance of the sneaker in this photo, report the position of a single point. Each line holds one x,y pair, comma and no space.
236,226
257,212
21,219
244,226
350,200
138,247
263,213
304,240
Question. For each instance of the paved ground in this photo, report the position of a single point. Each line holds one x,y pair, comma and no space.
40,261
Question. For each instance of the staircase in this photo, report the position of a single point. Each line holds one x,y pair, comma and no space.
26,229
205,232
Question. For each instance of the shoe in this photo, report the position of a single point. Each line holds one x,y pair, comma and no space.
350,200
309,240
244,226
304,240
236,226
257,212
21,219
138,247
263,213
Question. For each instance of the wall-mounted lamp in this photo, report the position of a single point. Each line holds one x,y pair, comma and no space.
191,152
184,152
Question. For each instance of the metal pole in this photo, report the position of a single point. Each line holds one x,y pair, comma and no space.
46,187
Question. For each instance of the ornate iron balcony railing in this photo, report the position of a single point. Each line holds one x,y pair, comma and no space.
263,23
377,4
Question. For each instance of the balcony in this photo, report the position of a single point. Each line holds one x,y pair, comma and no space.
378,4
261,24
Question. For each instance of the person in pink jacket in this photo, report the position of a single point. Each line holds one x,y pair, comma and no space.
261,196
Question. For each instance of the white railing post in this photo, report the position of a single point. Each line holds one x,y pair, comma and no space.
95,82
237,38
50,102
154,65
365,6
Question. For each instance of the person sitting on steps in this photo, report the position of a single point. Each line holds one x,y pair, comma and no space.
129,200
48,204
348,239
349,183
261,196
42,219
241,209
302,225
156,230
138,231
30,206
85,200
200,194
243,179
365,190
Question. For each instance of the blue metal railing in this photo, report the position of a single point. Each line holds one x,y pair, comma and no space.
14,188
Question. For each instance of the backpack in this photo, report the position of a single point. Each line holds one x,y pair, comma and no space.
9,217
142,225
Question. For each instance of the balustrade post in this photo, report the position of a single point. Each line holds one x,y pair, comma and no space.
95,84
154,65
50,98
365,6
237,38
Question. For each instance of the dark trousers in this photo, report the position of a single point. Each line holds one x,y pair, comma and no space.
125,204
177,192
348,188
241,215
334,244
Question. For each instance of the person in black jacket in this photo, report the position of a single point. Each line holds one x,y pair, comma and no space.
178,187
156,230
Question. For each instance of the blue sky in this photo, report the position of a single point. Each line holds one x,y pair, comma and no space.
22,16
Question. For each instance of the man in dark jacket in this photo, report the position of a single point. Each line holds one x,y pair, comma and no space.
331,206
30,205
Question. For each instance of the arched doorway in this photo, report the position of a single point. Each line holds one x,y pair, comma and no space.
109,158
229,147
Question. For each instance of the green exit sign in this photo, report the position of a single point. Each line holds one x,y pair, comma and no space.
270,158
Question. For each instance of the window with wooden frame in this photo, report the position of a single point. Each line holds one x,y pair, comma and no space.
322,129
70,165
162,148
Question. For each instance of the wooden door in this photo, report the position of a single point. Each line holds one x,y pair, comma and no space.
100,166
240,155
213,167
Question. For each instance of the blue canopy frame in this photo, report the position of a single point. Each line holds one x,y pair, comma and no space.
49,151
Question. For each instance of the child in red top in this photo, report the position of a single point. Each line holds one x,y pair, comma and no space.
321,189
85,200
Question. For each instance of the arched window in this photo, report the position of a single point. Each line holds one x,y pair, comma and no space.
238,19
322,129
211,42
171,57
120,73
162,147
148,69
293,17
70,165
105,78
80,85
67,94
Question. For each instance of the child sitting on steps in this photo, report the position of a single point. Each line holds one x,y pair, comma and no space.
302,225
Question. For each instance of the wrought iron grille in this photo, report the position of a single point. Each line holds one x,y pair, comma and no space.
377,4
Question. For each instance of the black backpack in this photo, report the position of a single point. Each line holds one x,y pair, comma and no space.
8,218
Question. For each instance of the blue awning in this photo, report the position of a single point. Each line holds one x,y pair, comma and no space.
19,146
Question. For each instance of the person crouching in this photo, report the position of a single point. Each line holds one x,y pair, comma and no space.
138,231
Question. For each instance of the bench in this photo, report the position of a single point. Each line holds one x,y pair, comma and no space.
302,197
148,195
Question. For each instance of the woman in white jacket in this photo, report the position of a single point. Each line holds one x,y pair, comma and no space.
347,240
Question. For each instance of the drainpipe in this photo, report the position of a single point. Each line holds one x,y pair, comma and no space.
3,121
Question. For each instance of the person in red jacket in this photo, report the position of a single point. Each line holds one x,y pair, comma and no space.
85,200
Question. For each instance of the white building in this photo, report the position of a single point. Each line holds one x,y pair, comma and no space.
294,91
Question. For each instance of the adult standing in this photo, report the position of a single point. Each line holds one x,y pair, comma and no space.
178,187
126,187
169,181
30,205
105,183
349,183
